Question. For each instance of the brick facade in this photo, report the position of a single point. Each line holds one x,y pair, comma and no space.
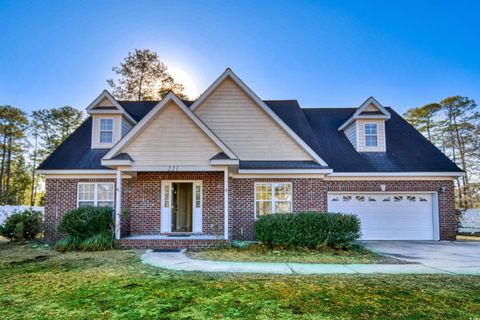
141,202
311,195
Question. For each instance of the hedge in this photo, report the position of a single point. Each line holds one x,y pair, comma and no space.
88,228
308,229
24,225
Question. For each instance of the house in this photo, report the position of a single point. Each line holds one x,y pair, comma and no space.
198,173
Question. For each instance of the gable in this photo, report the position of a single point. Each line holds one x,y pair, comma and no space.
371,108
242,125
172,138
105,103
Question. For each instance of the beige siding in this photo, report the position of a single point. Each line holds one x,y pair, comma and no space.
126,126
371,107
245,128
172,138
105,103
117,119
351,133
381,135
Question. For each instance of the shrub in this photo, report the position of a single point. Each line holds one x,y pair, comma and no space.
24,225
88,228
309,229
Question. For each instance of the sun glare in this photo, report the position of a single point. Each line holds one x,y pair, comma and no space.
184,78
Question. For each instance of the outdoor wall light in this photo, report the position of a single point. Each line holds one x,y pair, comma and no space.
383,187
441,189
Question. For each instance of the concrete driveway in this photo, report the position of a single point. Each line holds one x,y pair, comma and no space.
455,257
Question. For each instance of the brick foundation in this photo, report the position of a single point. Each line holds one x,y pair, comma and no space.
141,199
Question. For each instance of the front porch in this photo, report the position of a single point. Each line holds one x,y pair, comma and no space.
172,209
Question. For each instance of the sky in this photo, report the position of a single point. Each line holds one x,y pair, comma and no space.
322,53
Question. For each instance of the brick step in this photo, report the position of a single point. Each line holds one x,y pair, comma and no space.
171,243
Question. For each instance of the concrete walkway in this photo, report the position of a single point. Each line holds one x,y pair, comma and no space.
180,262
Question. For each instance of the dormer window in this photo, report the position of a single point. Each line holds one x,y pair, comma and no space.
371,136
106,130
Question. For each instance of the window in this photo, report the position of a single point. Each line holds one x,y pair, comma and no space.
273,198
106,130
360,198
95,194
371,139
198,197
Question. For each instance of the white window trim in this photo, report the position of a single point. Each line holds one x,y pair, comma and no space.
95,193
370,135
273,196
100,130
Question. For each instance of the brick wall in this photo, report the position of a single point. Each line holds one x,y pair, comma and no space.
311,195
61,197
308,195
140,202
141,199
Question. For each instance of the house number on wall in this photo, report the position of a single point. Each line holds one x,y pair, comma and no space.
173,168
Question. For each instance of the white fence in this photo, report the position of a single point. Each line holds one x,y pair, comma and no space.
6,211
470,221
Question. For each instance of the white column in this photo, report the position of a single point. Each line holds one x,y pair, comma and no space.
225,204
118,204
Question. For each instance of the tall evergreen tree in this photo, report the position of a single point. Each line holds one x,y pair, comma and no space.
143,76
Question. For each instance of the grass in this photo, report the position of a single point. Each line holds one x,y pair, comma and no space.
39,283
260,253
468,237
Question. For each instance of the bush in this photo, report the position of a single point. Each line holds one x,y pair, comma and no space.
88,228
309,230
24,225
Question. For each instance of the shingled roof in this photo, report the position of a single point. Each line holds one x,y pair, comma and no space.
407,150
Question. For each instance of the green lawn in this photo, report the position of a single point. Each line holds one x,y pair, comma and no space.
37,283
259,253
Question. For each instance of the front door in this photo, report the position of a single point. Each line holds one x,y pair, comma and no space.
181,209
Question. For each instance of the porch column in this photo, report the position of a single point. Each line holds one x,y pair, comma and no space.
118,204
225,204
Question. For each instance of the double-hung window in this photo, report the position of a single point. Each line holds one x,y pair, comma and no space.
106,130
371,136
273,198
96,194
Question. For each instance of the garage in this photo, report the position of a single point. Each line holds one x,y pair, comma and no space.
390,216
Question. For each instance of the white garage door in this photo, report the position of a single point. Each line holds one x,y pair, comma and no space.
389,216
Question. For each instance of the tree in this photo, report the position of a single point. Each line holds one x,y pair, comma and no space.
454,126
13,124
142,76
422,118
461,118
48,129
53,126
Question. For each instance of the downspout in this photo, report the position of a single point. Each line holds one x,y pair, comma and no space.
225,203
118,204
